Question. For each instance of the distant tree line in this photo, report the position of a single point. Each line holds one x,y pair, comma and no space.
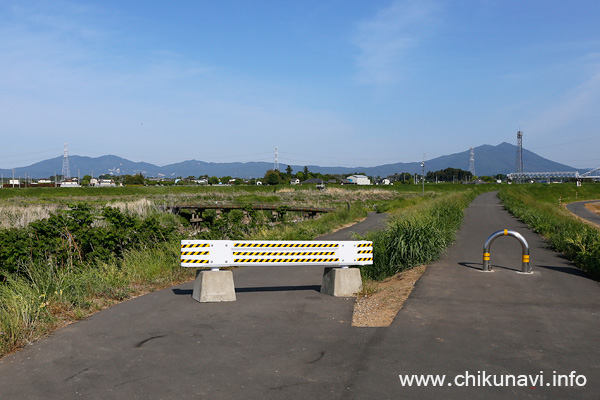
276,177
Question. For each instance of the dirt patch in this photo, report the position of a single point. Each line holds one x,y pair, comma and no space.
379,303
593,207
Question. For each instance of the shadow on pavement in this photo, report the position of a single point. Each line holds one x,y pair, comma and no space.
566,270
182,292
479,266
278,288
317,288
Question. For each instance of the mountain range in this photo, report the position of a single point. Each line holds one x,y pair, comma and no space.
489,160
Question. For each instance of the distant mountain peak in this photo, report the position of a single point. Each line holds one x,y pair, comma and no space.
489,160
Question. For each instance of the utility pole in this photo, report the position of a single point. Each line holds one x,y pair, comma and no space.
423,165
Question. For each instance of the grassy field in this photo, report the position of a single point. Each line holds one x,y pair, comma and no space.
538,206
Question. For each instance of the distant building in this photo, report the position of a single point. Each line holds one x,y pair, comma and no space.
313,181
105,183
359,180
295,181
70,183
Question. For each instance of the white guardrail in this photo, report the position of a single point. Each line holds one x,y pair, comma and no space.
217,285
216,254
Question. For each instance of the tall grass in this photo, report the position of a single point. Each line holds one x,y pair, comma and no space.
40,298
19,216
536,206
417,235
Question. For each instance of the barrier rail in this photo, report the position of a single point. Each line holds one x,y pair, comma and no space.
216,254
525,267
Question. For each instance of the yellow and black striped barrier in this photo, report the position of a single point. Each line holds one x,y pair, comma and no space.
216,254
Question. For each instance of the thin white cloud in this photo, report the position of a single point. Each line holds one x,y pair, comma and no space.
385,40
577,103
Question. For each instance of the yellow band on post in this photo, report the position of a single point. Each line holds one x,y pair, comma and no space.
526,258
505,232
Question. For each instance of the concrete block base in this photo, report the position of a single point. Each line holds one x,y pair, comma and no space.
213,286
341,282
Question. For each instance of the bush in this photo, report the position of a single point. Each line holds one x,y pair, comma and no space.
416,236
578,241
78,237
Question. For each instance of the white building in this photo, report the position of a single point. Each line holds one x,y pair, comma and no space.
71,184
359,180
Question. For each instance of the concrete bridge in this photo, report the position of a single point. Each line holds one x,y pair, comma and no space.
194,212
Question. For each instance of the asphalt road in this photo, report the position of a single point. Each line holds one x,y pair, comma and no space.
282,339
578,208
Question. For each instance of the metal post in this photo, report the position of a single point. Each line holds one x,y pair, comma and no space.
423,165
525,267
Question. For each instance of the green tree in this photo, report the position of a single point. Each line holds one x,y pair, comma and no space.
213,180
273,177
288,171
137,179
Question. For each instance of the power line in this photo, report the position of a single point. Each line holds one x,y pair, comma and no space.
563,144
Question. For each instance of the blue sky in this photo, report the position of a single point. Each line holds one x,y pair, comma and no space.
348,83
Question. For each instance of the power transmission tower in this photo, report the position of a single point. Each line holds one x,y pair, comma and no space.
66,172
276,164
519,164
472,162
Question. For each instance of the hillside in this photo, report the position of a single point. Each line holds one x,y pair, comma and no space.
489,160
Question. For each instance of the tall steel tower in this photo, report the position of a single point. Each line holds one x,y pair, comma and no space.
519,164
276,163
66,172
472,162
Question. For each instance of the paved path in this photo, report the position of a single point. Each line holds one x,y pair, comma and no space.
578,208
461,319
282,339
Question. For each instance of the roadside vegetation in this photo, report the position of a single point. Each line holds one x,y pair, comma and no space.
88,249
538,206
417,234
